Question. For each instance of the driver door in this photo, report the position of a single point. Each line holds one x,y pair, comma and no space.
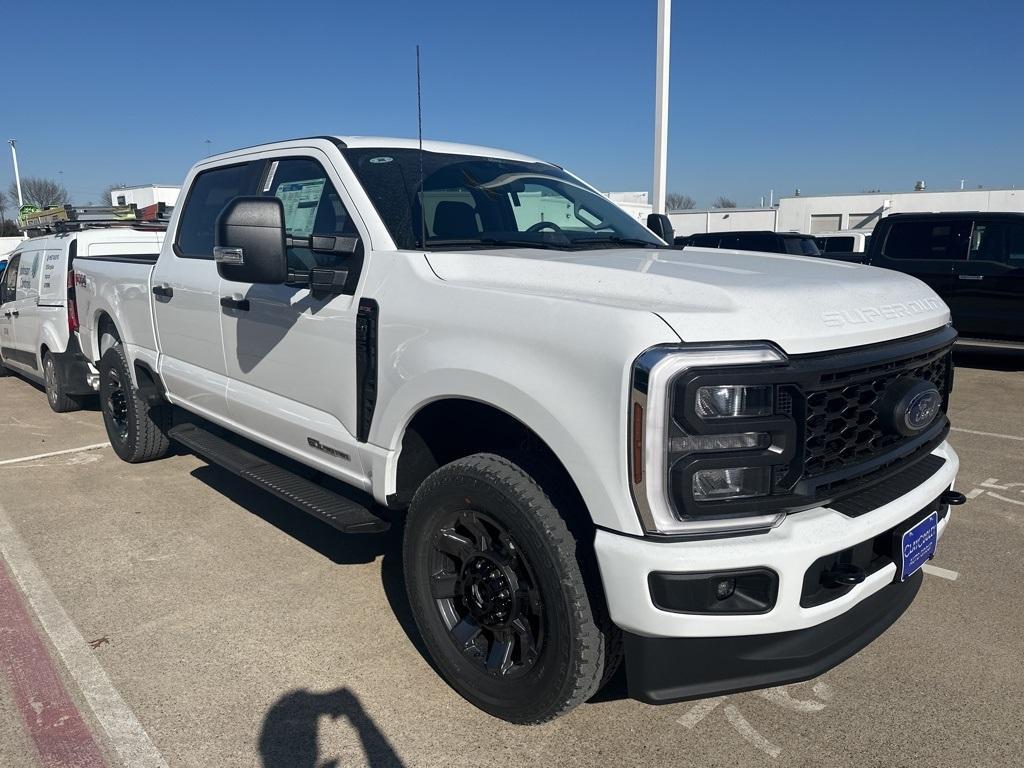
290,352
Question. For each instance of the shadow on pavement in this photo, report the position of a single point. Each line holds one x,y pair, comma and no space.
290,735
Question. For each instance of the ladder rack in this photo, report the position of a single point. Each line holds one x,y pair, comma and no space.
69,218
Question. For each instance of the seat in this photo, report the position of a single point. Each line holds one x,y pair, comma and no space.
455,220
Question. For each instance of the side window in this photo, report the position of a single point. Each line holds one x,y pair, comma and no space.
927,240
311,206
1015,245
210,192
988,242
9,286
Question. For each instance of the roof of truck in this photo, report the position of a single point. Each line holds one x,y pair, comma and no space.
387,142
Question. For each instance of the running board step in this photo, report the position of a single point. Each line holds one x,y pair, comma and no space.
333,508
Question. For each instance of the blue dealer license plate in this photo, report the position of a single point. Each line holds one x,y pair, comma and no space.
918,545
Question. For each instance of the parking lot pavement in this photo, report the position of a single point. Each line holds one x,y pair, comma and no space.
235,632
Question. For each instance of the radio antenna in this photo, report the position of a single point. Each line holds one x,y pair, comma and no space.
419,130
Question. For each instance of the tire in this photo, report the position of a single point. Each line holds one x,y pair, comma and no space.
3,370
137,430
498,593
55,395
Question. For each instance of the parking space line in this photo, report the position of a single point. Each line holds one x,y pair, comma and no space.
126,734
750,733
987,434
944,573
93,447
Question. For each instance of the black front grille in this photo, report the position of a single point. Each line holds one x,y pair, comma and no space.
842,424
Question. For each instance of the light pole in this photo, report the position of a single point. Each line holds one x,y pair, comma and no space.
17,177
661,105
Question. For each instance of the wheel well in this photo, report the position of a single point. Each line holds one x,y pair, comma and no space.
104,325
446,430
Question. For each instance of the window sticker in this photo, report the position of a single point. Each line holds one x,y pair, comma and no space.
270,176
300,200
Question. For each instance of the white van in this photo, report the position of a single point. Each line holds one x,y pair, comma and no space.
38,314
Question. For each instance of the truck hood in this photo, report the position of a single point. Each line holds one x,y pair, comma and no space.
803,304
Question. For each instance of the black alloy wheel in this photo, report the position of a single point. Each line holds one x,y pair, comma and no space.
486,594
501,593
115,404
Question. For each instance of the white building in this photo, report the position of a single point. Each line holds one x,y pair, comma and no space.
828,213
148,194
636,204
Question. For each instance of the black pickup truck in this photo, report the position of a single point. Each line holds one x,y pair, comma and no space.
974,261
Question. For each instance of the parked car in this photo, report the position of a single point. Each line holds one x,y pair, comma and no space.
766,241
601,446
38,315
974,261
847,241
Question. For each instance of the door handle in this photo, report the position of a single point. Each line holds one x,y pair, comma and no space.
241,305
971,277
163,291
14,313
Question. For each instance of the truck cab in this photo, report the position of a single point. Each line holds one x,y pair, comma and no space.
973,260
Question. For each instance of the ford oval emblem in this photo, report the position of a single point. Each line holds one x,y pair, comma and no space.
909,406
922,409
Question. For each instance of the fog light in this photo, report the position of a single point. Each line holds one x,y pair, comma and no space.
730,483
725,588
733,402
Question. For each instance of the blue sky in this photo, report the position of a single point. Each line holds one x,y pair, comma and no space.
827,97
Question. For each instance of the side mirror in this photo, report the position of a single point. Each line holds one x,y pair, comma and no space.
249,246
661,225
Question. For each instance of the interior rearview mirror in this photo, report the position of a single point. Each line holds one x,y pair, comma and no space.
661,225
250,241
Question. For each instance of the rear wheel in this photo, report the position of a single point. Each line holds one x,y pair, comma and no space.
59,401
137,430
498,593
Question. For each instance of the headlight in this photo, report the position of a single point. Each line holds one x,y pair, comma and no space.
732,402
702,453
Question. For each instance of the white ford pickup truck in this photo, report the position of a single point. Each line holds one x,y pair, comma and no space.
726,468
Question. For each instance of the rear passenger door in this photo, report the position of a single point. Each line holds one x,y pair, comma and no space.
927,249
186,293
988,298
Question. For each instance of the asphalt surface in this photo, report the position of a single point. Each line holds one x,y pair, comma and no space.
236,632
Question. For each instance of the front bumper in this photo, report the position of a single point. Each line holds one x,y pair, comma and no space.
680,655
789,550
663,669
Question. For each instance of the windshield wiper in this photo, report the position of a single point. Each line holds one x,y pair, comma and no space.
490,243
627,242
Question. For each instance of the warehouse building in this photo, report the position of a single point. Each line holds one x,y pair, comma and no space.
829,213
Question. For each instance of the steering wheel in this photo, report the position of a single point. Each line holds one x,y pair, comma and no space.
544,225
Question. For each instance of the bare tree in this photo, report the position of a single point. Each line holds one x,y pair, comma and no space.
677,202
42,193
723,202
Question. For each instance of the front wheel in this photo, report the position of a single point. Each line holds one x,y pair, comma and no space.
498,594
137,430
60,402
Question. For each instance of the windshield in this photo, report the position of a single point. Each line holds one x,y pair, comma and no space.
484,202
